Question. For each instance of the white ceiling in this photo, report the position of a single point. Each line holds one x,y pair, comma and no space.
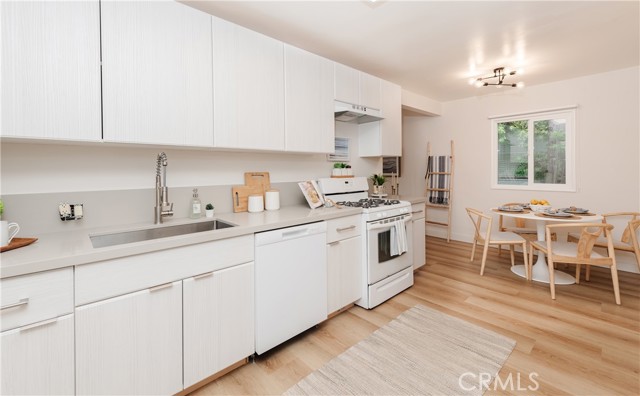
433,47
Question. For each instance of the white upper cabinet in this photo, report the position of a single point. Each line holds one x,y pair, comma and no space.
248,75
157,83
309,105
384,138
347,87
356,87
370,91
50,70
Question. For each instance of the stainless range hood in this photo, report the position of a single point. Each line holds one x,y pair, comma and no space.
346,112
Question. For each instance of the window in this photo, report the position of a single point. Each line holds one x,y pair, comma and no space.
534,151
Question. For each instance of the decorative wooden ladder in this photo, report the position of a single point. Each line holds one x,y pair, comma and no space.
448,189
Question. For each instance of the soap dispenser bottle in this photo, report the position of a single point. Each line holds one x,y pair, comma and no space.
196,206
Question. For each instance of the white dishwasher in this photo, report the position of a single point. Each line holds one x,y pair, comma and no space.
290,282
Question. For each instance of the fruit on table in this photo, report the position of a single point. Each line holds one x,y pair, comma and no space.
539,202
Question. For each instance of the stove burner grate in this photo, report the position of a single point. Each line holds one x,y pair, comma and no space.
367,203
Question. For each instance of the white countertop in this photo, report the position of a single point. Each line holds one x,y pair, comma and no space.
58,250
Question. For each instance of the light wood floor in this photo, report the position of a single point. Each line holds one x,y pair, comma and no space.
580,344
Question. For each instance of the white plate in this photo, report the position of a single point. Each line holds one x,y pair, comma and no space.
575,211
557,214
511,208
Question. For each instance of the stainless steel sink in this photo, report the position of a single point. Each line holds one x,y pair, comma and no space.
120,238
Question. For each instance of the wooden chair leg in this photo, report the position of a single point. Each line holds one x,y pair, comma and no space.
578,268
484,257
499,250
473,248
616,286
527,270
587,277
512,254
551,278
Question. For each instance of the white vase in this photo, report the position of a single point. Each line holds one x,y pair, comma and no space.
336,172
208,212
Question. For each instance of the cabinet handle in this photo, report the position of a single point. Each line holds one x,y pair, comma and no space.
22,301
334,243
417,211
345,228
39,324
201,276
160,287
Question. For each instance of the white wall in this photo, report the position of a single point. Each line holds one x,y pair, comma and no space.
607,142
28,168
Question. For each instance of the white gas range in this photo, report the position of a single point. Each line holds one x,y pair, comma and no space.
386,251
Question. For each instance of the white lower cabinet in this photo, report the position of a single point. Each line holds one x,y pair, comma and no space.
419,254
218,321
344,262
37,359
131,344
344,268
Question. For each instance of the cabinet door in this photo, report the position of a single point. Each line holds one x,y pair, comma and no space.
351,274
419,246
344,273
157,83
131,344
369,91
347,84
391,125
333,277
248,75
384,138
218,321
50,69
38,359
309,104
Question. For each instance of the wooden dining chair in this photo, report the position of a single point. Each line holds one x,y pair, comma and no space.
627,238
483,235
516,225
580,253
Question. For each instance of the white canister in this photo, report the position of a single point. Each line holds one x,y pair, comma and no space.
256,203
272,200
7,232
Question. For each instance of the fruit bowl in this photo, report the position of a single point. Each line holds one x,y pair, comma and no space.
539,208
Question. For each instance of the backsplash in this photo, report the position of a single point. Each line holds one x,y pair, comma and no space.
38,213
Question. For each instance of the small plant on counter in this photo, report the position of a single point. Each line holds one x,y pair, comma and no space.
1,208
208,210
338,169
378,180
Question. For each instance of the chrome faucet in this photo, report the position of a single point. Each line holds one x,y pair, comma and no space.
163,206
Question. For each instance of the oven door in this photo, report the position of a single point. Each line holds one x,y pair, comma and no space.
383,259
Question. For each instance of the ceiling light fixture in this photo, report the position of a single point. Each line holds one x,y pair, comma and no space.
500,73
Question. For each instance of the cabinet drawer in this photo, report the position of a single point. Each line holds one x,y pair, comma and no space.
32,298
343,228
105,279
417,210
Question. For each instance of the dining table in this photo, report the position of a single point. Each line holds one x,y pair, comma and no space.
540,270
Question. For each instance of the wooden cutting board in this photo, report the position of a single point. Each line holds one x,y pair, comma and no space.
258,179
240,197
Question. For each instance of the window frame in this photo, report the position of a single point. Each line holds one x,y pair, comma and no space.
568,113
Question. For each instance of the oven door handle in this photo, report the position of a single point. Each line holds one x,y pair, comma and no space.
377,226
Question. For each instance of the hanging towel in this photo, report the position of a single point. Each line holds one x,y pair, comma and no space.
399,243
440,163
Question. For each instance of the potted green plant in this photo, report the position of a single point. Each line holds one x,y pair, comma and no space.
338,169
378,183
208,210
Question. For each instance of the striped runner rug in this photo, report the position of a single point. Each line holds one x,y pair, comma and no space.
421,352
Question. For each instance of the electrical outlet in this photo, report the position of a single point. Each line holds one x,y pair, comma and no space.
70,211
